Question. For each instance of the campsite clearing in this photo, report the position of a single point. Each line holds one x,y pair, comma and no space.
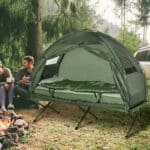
56,131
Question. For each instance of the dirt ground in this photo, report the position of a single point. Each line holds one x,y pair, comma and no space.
56,131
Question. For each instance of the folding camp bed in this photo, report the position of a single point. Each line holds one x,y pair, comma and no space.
101,95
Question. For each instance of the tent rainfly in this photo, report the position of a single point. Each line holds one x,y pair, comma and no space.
92,69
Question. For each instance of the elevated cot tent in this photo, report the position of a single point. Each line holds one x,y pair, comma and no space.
92,69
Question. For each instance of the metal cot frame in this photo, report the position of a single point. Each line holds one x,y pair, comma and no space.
134,114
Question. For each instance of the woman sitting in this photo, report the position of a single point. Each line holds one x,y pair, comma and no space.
6,87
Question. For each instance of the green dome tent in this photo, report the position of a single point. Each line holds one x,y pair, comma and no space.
89,68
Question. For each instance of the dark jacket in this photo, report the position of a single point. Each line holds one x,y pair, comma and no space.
22,72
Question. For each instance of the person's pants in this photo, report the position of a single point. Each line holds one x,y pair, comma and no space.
10,93
22,92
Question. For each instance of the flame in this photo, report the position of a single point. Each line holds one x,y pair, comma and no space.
5,123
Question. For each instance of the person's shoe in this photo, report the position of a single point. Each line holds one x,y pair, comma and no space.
11,106
3,108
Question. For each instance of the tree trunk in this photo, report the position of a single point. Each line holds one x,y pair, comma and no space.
124,17
144,34
34,41
121,18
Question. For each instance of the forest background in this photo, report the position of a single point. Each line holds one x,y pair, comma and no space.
28,27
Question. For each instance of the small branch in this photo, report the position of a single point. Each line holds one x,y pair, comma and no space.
57,4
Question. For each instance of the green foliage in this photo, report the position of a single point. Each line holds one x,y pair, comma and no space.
15,15
131,40
13,19
70,16
143,7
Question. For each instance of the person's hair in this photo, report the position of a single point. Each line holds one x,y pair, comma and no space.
29,59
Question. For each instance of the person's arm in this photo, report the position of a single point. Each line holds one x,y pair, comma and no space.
2,83
19,76
10,75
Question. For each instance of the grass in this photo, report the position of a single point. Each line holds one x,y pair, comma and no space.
56,131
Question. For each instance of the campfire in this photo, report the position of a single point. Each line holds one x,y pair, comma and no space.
12,126
5,123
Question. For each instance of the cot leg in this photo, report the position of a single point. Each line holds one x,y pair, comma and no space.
43,109
82,118
135,119
89,112
53,109
50,107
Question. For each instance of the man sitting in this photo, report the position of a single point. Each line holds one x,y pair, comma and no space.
6,86
23,77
